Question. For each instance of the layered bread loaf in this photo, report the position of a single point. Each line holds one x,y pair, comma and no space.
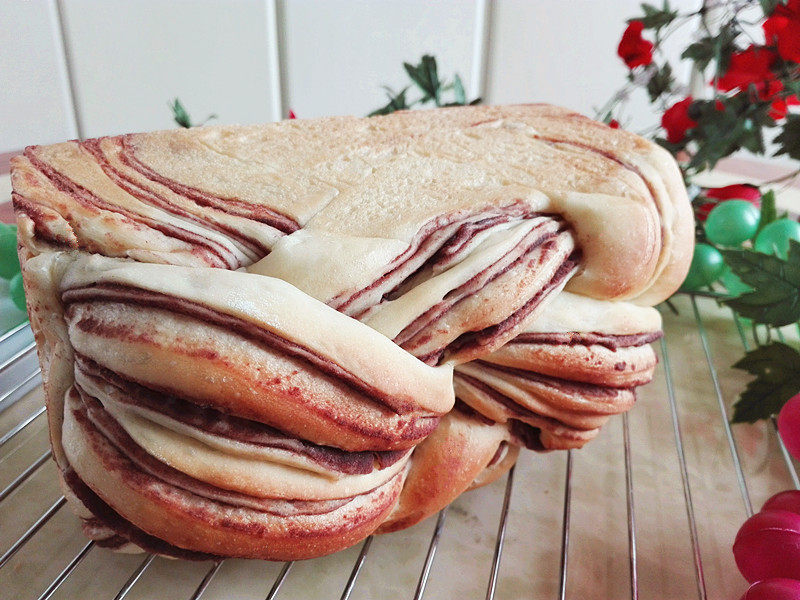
271,341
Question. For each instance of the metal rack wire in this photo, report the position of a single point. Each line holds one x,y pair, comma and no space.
12,388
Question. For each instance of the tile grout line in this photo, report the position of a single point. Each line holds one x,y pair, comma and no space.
480,48
274,62
65,54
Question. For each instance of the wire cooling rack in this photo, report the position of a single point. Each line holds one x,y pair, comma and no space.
648,510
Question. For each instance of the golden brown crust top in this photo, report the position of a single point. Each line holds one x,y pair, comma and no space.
223,196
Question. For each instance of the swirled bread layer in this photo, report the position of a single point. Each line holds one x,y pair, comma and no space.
151,501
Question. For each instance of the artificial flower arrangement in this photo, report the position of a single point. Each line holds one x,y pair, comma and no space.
747,255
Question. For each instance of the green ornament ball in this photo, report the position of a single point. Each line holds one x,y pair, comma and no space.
774,238
732,222
16,291
707,266
9,261
732,283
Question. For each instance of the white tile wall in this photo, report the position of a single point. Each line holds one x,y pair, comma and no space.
35,107
128,58
338,53
565,55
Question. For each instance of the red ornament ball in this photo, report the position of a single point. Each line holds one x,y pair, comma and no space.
788,500
774,589
789,426
768,546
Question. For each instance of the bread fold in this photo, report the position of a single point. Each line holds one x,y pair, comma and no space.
565,383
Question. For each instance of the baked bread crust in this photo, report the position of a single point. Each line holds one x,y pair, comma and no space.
448,463
262,322
567,371
189,521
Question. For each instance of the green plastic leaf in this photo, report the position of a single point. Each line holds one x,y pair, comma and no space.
752,137
383,110
671,147
207,119
792,86
725,44
660,82
718,47
458,90
768,211
396,102
777,370
179,114
656,18
417,78
426,77
775,299
789,139
718,133
768,6
431,72
725,125
701,52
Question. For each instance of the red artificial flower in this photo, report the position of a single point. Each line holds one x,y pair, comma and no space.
737,191
701,212
780,106
769,89
751,67
291,114
633,49
614,124
782,30
676,120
